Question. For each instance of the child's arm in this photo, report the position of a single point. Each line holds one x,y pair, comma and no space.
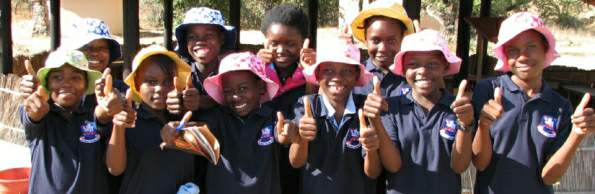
461,150
583,123
298,152
115,158
482,142
370,144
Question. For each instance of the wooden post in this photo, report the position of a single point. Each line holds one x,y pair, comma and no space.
313,15
463,38
131,34
413,8
6,37
482,42
55,23
168,12
234,18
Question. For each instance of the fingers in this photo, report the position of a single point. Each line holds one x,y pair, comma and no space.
584,102
189,83
416,25
582,118
281,123
376,83
42,93
108,88
307,108
29,68
362,120
129,98
461,90
178,86
373,106
498,95
186,118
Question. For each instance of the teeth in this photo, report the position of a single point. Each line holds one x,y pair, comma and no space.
93,61
241,106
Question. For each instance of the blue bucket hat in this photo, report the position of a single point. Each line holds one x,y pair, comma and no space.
90,29
208,16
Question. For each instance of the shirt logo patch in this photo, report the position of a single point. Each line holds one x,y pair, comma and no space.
89,132
353,139
548,126
405,90
448,129
266,136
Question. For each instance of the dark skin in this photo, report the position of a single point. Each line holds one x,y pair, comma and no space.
383,40
242,91
153,85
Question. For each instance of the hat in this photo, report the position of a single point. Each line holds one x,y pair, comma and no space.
90,29
239,62
205,16
182,68
384,8
426,40
512,27
74,58
349,55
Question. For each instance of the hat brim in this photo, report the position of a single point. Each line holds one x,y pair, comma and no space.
550,55
358,28
92,76
214,87
229,33
454,62
182,68
363,78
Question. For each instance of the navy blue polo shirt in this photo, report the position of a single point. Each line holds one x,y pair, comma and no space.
390,84
249,152
523,139
425,140
67,151
335,158
197,81
149,169
120,85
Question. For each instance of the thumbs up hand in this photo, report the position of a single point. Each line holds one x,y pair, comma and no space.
583,119
345,36
36,105
286,131
307,55
462,106
267,54
307,126
190,96
107,96
368,136
375,103
492,110
127,117
29,81
174,97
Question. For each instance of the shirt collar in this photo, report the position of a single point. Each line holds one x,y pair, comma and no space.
295,80
546,92
446,99
329,110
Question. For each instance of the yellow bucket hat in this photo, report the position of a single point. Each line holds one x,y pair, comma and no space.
380,8
182,68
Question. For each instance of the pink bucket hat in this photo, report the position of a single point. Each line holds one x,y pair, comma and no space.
512,27
244,61
426,40
349,54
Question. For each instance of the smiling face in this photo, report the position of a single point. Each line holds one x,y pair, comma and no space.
98,54
154,81
287,43
67,86
204,42
337,80
242,91
424,72
526,55
383,40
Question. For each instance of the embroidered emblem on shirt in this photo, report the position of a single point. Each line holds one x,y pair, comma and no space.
548,126
266,136
352,141
448,129
405,90
89,132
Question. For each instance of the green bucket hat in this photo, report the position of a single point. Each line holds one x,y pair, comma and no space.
74,58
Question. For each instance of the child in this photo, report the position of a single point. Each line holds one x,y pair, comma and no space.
92,37
66,148
134,145
202,38
328,149
524,142
427,143
381,27
286,29
245,128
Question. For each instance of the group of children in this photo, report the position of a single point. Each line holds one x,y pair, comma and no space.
291,120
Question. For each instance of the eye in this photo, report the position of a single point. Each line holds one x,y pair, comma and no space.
375,41
512,52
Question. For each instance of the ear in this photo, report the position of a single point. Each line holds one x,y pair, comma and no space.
261,85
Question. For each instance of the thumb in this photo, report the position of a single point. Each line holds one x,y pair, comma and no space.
584,102
306,43
177,85
42,93
362,120
189,83
307,107
498,95
108,88
281,123
461,90
29,68
129,98
376,83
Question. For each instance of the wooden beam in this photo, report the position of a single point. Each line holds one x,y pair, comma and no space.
6,37
313,15
463,38
234,18
482,42
168,15
131,34
55,23
413,8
